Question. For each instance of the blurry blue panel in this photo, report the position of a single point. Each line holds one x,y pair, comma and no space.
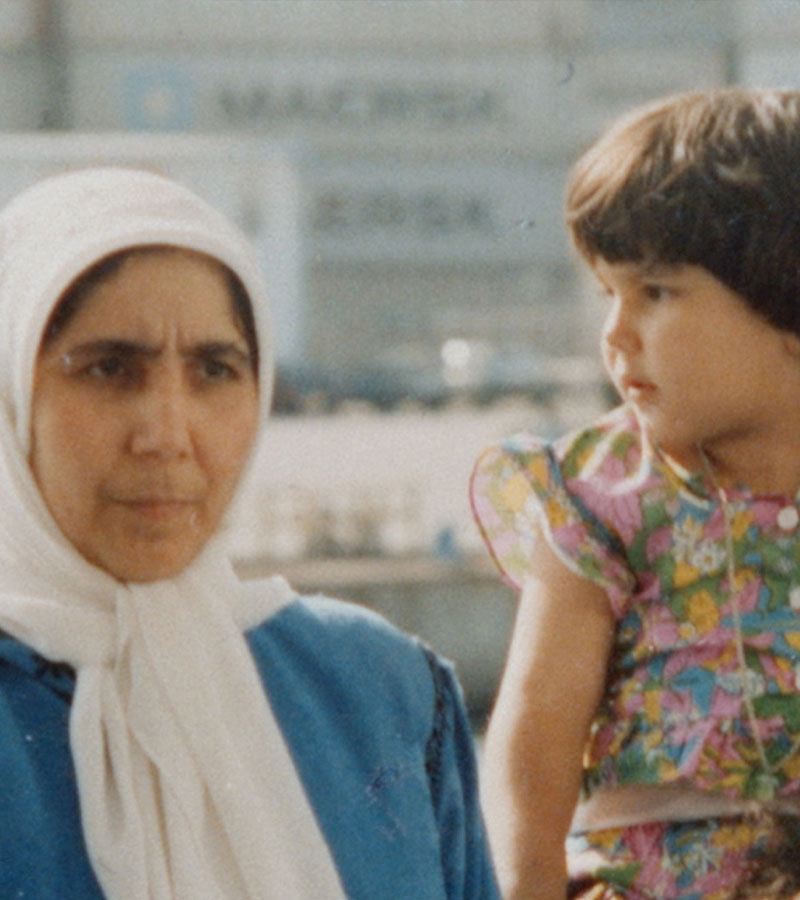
157,97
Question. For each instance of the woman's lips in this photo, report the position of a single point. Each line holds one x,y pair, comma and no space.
159,508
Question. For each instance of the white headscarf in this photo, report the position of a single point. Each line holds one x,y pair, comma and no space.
187,789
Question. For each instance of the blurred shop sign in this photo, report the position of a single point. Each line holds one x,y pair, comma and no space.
249,179
348,101
402,98
536,102
437,212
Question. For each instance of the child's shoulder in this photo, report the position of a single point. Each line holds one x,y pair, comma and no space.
577,491
608,452
610,447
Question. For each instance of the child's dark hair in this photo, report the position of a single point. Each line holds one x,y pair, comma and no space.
709,179
85,283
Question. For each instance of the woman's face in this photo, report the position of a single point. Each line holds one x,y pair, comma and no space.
145,406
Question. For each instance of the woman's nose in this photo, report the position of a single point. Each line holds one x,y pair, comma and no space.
162,425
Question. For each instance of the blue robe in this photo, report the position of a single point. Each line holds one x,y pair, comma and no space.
376,726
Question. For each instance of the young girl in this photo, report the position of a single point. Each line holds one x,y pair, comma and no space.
649,715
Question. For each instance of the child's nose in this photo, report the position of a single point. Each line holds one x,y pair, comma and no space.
619,329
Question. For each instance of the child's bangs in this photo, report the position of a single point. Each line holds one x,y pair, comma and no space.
635,227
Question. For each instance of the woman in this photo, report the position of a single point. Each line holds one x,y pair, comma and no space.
167,731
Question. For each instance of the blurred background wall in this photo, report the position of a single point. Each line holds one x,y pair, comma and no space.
400,166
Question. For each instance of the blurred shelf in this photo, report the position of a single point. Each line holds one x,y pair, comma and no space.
308,574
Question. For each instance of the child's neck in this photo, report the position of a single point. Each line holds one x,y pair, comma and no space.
773,469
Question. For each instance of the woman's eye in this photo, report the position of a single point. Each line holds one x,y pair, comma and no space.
216,370
111,368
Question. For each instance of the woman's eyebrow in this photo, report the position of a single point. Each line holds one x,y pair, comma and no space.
217,349
116,347
128,348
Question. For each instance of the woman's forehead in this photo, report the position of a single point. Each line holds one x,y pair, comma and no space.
153,293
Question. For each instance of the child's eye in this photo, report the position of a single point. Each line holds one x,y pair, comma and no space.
655,291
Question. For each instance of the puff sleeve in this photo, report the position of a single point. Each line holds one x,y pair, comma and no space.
518,492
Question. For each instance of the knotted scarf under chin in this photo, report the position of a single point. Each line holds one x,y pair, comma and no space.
183,774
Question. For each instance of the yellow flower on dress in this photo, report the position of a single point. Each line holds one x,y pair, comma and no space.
740,522
606,839
783,664
557,513
515,492
703,612
685,574
735,836
791,767
652,706
731,781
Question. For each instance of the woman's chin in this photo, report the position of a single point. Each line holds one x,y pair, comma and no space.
140,565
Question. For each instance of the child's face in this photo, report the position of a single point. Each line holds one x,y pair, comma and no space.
699,365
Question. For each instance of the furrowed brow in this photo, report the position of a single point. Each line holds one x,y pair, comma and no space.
217,350
116,347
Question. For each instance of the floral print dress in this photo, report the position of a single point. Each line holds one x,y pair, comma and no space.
655,537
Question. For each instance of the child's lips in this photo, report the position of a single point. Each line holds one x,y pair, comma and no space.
636,388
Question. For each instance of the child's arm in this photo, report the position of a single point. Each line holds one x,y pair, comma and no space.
554,679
